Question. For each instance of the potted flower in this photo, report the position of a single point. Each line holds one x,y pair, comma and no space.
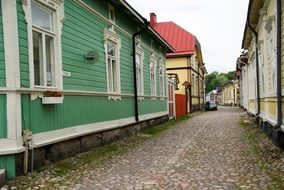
52,97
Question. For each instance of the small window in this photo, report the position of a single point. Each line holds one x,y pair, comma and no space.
192,84
196,87
139,73
111,13
162,79
112,66
43,46
152,44
153,78
112,53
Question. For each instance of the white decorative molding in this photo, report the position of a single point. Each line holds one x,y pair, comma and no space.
12,67
37,93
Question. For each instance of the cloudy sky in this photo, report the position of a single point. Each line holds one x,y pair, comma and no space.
218,25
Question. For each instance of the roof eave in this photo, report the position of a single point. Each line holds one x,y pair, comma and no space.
252,18
145,22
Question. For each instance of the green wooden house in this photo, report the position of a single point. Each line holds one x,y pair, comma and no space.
72,69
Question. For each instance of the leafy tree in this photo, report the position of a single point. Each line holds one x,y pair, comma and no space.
215,80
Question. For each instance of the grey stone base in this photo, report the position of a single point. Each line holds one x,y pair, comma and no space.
196,107
62,150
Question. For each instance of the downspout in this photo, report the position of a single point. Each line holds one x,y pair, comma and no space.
257,67
279,51
134,70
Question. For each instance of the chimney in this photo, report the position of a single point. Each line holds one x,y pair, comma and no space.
153,19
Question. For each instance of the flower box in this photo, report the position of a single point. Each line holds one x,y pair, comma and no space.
52,100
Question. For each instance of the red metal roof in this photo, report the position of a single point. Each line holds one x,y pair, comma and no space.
181,40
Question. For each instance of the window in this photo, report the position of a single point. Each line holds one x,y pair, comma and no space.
152,44
162,79
196,87
111,14
192,84
139,73
112,66
112,47
193,61
44,24
43,45
153,78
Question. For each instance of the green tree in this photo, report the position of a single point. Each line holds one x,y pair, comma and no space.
215,80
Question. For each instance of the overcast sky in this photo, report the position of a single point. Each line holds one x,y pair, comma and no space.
218,25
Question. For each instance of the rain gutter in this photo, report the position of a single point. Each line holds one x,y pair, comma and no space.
279,50
134,69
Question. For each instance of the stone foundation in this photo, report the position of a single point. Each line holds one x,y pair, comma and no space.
62,150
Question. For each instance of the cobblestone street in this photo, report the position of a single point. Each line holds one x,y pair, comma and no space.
209,151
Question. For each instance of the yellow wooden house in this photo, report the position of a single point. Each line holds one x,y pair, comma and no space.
259,67
186,63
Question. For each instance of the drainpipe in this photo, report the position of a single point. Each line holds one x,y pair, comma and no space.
278,46
257,67
134,69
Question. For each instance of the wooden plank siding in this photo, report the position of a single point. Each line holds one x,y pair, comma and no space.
8,161
2,56
23,46
3,116
83,31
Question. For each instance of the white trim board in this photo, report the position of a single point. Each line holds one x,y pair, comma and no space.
12,67
11,146
43,139
4,90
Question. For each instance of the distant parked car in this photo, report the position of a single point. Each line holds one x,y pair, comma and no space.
210,106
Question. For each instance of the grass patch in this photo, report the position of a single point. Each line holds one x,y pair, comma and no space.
157,130
62,168
262,153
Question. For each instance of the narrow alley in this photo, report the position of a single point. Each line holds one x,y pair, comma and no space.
211,150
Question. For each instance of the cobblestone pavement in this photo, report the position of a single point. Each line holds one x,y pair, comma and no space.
206,152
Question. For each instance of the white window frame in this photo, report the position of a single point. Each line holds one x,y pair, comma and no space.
153,90
162,78
57,9
140,81
110,11
110,35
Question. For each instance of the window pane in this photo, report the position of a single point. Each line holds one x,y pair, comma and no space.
111,48
110,81
49,61
138,60
41,17
38,59
114,77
